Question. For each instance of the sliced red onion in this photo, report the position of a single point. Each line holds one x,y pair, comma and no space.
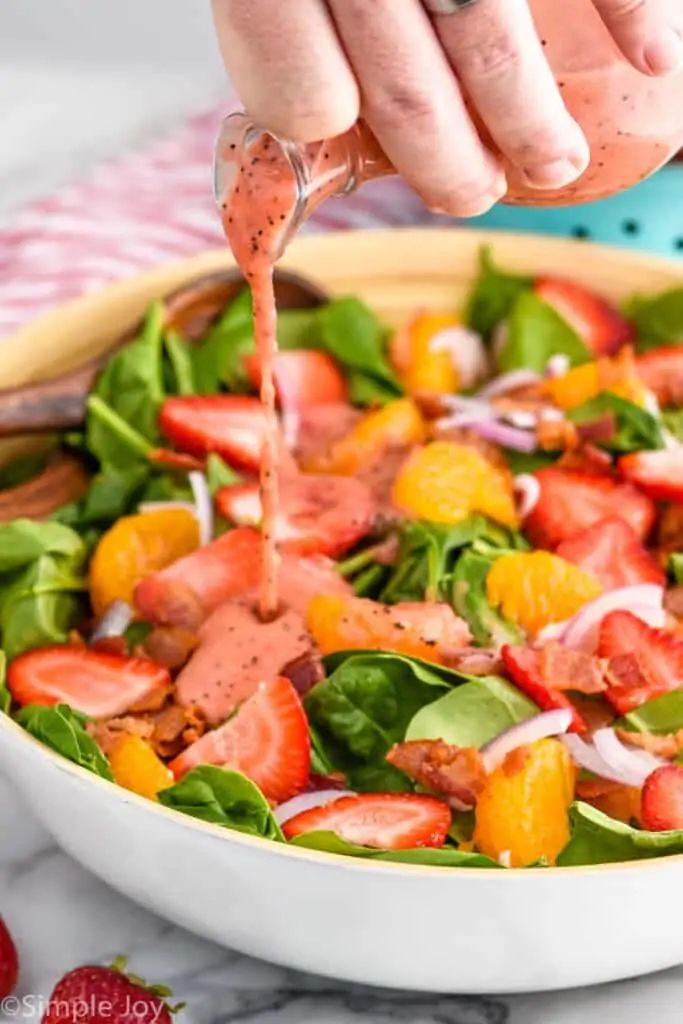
644,600
557,365
509,382
306,802
548,723
586,756
633,766
203,506
522,418
467,353
507,437
114,622
164,506
527,492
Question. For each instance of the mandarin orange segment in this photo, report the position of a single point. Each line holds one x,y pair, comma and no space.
421,630
398,424
134,548
446,482
623,803
617,375
534,588
522,812
421,367
135,766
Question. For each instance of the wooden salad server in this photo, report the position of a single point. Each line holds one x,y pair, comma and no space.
59,403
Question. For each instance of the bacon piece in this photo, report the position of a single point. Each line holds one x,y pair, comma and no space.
673,602
661,746
170,646
456,773
107,733
304,672
557,435
566,669
473,661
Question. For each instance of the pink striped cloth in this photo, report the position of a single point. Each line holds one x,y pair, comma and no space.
141,210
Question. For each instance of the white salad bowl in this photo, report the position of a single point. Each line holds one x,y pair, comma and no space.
400,926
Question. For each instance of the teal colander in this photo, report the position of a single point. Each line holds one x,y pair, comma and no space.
648,217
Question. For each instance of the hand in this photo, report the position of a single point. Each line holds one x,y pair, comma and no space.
305,69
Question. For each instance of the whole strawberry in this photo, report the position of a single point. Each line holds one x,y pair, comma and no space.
9,962
105,995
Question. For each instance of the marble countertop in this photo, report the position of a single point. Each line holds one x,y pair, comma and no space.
77,82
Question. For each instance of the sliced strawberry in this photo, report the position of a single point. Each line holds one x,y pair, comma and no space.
612,552
597,322
662,799
267,740
186,591
571,501
386,821
97,684
658,474
303,378
231,425
661,370
316,515
524,667
640,662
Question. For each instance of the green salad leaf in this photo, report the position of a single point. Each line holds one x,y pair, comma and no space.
636,428
676,566
132,387
217,360
225,798
672,420
472,714
658,319
493,296
22,541
529,462
219,473
179,355
365,706
468,596
113,493
599,839
351,333
660,715
62,729
535,333
5,695
20,471
445,856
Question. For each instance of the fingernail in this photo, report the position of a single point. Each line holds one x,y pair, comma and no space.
665,53
554,174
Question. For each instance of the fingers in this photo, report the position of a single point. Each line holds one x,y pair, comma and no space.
288,66
412,102
649,32
498,57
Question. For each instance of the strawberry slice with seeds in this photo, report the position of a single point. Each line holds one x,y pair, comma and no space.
231,425
303,378
640,662
385,821
602,327
267,740
658,474
612,552
524,667
571,501
661,371
184,592
662,799
97,684
316,515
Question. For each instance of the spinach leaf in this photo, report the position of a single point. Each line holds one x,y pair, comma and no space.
446,856
658,319
529,462
20,471
468,597
660,715
472,714
113,493
599,839
493,296
636,429
537,332
672,420
224,798
366,390
218,358
180,358
62,729
5,695
425,556
219,473
676,566
24,540
355,337
41,583
131,385
365,706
